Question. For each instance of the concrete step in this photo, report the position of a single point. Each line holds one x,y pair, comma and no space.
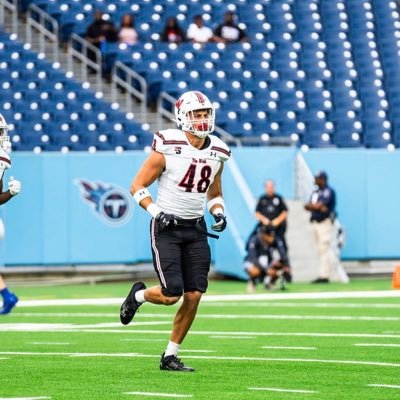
150,117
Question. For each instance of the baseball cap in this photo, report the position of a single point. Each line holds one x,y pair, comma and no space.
321,174
267,230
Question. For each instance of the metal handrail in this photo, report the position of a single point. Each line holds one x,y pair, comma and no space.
12,7
165,113
304,179
82,56
128,85
44,20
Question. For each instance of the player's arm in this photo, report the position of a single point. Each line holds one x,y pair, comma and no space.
280,218
151,169
262,218
215,203
14,188
316,207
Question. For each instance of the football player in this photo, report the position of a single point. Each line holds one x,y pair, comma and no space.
188,164
14,187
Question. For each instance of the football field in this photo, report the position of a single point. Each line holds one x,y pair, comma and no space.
334,342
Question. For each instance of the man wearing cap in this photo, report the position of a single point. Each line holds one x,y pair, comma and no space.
322,208
266,256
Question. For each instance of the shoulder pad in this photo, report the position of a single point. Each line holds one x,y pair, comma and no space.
166,141
218,146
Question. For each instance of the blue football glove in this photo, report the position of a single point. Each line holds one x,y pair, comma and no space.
165,220
220,223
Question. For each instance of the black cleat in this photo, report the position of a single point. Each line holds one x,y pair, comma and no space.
130,305
173,363
287,276
321,280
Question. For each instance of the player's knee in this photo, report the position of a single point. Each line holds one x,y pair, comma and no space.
191,300
169,301
172,294
193,297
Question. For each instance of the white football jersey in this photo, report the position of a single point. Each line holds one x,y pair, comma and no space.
189,172
5,162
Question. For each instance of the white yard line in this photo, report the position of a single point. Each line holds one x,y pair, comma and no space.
229,297
143,340
31,327
289,348
24,398
51,343
196,351
232,337
385,386
284,390
297,317
262,304
299,360
225,316
377,344
160,394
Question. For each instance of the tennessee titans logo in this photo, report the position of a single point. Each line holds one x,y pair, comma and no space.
110,203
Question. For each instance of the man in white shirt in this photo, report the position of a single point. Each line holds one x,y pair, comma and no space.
198,32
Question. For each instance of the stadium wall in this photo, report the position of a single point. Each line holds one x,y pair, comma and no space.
76,209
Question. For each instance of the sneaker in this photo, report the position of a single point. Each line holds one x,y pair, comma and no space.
173,363
321,280
130,305
287,276
9,303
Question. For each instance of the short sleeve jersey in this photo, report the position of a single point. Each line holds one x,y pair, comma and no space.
188,173
5,162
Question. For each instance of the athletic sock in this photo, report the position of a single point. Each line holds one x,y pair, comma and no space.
5,293
172,349
139,296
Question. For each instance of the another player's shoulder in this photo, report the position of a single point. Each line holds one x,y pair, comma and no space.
166,141
5,159
220,148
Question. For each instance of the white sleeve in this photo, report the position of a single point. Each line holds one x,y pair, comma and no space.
190,32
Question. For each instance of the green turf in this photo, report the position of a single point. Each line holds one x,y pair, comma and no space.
110,369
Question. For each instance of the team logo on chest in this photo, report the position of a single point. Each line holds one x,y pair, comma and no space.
110,203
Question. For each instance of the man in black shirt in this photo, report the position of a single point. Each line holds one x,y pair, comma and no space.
266,258
271,210
322,208
228,31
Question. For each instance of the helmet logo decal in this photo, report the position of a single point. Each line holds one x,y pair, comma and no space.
110,203
200,97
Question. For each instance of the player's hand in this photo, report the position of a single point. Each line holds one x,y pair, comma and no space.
165,220
14,186
220,223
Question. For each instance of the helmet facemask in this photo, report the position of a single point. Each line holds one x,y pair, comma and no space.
200,127
186,110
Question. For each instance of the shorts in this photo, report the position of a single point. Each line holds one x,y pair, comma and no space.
181,257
